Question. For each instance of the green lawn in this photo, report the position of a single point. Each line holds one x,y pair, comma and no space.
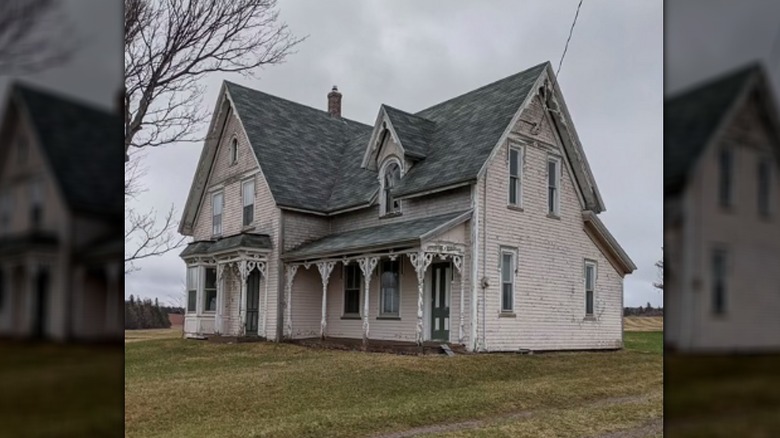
723,396
51,390
177,387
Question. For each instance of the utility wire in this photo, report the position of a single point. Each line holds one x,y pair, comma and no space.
538,125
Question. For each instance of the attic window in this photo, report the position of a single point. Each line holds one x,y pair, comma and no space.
234,151
390,175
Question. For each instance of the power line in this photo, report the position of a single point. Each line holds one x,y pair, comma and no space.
571,31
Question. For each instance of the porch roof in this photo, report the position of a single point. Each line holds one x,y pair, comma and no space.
243,240
24,242
393,235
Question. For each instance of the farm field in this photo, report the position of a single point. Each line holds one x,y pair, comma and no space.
178,387
643,323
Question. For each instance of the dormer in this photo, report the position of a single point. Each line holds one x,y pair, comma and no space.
397,133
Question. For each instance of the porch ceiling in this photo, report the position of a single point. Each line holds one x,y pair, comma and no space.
227,244
396,234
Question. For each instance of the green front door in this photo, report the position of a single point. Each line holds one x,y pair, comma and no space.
252,302
440,302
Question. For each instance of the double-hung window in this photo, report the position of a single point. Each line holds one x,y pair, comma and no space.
217,204
508,267
515,176
590,286
192,289
248,201
719,260
764,186
36,203
5,211
210,290
352,289
234,152
553,185
390,293
726,175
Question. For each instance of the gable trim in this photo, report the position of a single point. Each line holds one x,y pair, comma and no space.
607,244
374,148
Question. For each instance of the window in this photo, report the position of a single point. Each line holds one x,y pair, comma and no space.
2,290
553,185
5,211
352,289
234,151
515,171
507,281
248,200
590,286
210,290
22,150
36,203
217,201
192,289
390,293
725,169
764,185
719,282
391,176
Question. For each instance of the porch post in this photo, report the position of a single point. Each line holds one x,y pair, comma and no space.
290,271
367,265
243,270
220,298
325,269
112,299
263,267
420,261
458,262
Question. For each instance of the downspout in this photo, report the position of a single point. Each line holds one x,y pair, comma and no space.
280,281
474,263
484,261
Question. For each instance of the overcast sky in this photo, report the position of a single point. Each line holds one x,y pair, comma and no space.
412,55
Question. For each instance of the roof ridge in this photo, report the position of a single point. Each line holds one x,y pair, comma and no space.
480,88
23,86
720,78
407,113
323,112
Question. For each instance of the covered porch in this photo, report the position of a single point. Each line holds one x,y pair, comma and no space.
403,282
227,287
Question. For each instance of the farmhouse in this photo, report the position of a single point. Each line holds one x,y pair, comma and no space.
722,224
61,251
472,222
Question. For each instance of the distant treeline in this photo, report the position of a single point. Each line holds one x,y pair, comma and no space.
145,314
643,311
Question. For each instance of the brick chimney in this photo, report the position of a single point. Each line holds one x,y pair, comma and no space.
334,102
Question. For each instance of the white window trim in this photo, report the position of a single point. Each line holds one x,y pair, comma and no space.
557,201
221,214
520,148
187,310
513,253
254,198
380,301
594,264
382,201
202,290
344,291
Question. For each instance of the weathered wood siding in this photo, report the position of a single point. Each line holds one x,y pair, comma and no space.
551,253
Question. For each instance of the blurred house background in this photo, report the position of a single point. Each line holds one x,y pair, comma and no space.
722,208
61,201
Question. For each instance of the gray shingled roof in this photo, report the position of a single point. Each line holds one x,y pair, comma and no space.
82,147
397,234
691,119
243,240
312,160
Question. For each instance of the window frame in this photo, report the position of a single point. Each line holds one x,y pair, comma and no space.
36,202
594,277
214,231
726,179
233,158
764,193
518,183
192,288
6,210
248,182
381,314
556,201
383,192
205,294
345,290
512,252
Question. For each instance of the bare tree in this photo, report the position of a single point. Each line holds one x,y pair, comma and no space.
660,283
33,36
170,45
144,236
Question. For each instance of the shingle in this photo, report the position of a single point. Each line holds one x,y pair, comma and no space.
398,233
690,120
82,145
243,240
414,132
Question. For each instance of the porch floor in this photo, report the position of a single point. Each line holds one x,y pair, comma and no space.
380,346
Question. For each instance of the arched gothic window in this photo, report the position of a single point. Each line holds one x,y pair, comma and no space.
390,178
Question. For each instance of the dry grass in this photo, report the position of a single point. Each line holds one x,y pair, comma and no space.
643,323
151,334
176,387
